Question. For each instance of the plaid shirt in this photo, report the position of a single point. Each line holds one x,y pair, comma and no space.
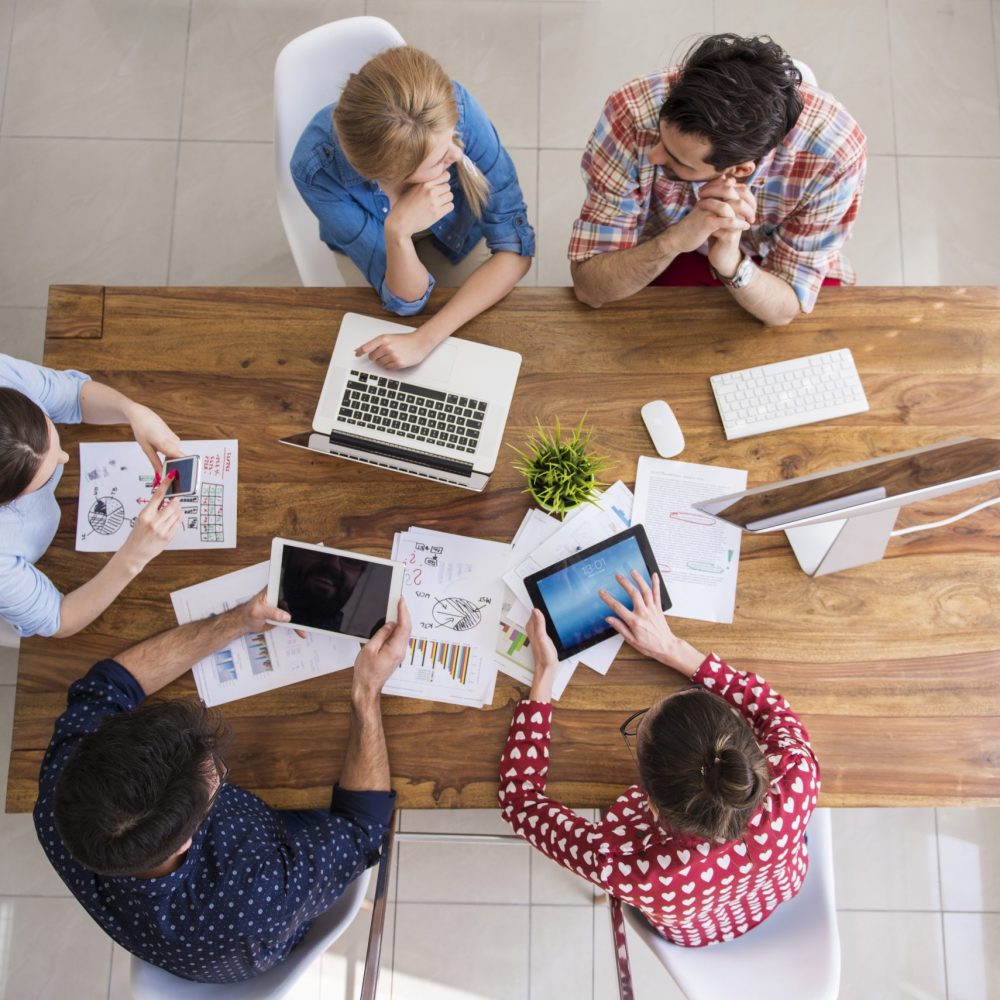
808,188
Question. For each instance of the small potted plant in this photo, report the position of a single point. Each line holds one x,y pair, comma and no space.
561,473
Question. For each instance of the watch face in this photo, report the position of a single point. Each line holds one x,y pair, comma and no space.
743,273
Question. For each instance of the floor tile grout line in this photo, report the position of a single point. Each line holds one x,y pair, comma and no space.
895,146
944,958
937,858
531,908
31,895
914,912
538,142
522,148
6,69
593,952
996,54
538,91
944,939
487,902
111,963
395,888
177,157
580,906
138,138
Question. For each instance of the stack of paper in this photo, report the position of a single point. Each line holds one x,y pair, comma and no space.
467,599
453,590
258,661
540,541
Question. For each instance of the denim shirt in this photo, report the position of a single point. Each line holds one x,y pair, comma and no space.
352,210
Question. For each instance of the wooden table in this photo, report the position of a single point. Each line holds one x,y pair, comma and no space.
895,666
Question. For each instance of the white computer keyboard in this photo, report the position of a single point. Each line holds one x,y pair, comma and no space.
788,393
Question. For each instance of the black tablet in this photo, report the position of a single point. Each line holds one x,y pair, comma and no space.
566,591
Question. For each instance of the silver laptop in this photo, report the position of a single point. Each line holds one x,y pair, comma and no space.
442,419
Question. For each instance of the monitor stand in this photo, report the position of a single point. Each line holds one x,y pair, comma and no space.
837,545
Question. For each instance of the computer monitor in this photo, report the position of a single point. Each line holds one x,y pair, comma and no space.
844,518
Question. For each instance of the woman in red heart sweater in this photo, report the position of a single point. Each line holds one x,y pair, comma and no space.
712,837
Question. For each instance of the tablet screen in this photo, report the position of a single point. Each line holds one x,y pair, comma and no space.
337,593
570,594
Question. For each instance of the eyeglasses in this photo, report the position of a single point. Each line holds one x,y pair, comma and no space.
222,770
630,728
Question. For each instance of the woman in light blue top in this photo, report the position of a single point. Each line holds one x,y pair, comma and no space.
32,400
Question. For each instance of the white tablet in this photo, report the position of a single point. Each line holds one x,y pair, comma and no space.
329,590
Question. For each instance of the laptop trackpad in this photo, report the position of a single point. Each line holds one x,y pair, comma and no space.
435,369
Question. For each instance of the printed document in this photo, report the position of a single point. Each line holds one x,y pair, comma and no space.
258,661
698,555
116,481
454,593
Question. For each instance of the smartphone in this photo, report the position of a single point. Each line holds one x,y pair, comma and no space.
188,479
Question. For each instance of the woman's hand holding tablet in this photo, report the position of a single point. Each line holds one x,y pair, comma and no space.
333,591
568,593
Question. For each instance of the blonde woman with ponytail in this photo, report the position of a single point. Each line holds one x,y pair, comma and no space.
409,180
712,837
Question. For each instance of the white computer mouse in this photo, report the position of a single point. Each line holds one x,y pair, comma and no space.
663,428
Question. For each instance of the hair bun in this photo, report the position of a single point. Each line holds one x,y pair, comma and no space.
729,776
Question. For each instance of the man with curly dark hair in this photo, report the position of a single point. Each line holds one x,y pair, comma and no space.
188,872
727,169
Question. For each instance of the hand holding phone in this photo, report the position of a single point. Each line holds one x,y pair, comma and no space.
187,478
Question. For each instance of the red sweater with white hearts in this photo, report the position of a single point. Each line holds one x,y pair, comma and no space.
695,892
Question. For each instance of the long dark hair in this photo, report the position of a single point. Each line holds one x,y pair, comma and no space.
742,94
139,786
700,766
24,440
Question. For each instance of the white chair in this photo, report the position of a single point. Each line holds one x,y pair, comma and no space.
808,76
150,983
9,637
795,952
309,74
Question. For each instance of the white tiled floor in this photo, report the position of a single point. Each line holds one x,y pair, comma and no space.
135,148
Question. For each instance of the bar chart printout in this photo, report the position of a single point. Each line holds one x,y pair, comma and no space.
453,591
426,655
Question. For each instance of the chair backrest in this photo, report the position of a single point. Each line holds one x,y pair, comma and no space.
150,983
808,76
310,73
795,952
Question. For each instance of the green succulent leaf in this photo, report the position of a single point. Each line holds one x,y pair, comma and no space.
561,474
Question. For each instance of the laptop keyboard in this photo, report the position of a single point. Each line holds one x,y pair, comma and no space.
412,411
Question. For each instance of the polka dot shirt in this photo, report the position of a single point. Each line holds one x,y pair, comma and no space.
246,891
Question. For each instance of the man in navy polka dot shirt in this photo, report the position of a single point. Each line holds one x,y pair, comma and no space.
189,873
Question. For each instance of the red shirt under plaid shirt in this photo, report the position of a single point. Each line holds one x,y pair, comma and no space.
808,188
694,891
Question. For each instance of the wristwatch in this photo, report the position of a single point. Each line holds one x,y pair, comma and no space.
742,277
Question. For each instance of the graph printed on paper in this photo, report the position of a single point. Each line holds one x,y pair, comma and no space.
116,484
427,659
444,595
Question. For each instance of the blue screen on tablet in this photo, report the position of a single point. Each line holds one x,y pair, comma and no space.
575,609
